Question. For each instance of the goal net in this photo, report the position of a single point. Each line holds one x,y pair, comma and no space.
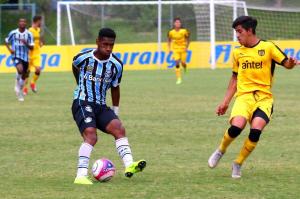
78,22
277,23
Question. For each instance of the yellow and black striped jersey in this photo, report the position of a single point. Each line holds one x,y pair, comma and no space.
255,66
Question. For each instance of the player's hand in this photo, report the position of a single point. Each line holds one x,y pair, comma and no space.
291,62
11,51
221,109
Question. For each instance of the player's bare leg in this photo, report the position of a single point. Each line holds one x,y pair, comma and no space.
34,79
90,139
25,89
21,76
184,66
116,129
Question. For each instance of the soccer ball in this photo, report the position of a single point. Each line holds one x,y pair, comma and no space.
103,170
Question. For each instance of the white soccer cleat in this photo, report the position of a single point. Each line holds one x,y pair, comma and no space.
236,171
20,96
215,158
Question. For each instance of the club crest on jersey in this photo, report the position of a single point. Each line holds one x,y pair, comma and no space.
261,52
89,68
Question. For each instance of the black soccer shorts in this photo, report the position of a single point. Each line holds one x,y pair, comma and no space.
88,114
24,64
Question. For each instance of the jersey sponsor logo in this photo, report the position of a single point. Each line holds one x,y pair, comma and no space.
92,78
252,65
261,52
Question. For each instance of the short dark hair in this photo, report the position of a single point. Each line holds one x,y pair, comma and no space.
176,18
246,22
107,32
36,18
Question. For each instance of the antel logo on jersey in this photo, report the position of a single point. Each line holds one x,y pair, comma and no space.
252,65
92,78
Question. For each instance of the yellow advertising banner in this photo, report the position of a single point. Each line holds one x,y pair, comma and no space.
142,56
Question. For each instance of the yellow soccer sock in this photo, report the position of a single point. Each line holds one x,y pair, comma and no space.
34,78
225,142
178,73
245,151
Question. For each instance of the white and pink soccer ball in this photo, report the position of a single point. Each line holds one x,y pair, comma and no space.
103,170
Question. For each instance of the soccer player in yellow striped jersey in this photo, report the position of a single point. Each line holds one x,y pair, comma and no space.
35,54
251,82
178,43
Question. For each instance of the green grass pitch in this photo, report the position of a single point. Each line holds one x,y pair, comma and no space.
173,127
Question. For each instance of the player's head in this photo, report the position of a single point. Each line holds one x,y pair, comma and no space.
177,23
245,27
22,23
105,41
37,20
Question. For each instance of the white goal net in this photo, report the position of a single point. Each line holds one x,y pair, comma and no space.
78,22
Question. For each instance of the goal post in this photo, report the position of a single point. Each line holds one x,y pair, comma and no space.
150,20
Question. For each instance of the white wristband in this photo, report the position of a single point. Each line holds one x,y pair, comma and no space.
116,110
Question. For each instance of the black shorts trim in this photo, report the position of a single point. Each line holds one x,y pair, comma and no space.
88,114
259,113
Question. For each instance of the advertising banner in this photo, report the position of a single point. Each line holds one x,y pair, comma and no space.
141,56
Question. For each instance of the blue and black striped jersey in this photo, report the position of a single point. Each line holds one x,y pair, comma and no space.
96,76
21,50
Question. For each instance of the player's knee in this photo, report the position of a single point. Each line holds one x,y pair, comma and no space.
234,131
19,69
90,136
254,135
119,132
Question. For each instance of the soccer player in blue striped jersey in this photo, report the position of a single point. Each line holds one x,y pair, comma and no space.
18,43
95,72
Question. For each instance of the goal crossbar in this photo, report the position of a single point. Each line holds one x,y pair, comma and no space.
234,3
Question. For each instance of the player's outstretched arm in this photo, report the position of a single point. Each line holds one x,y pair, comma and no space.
115,98
290,63
221,109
